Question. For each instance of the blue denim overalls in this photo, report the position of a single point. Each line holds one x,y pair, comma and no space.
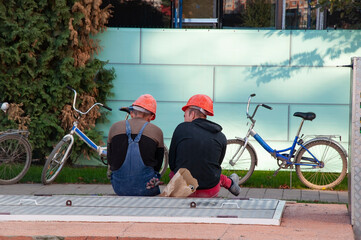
132,177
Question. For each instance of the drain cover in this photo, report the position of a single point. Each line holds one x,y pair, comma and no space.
140,209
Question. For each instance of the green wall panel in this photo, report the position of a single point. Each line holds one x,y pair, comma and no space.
283,85
325,48
165,83
289,70
114,116
120,46
215,47
270,124
169,115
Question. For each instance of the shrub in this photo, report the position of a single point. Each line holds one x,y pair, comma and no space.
45,46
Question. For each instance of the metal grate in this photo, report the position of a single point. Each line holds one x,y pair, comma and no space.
143,209
355,149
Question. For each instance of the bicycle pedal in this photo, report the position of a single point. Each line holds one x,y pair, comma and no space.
276,172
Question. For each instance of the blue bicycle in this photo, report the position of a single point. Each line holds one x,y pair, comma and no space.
320,162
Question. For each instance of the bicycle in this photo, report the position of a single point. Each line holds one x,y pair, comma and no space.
15,153
61,152
320,162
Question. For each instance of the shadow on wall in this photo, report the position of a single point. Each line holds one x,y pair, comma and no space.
311,49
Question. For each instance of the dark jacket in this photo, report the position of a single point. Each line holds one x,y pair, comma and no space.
200,147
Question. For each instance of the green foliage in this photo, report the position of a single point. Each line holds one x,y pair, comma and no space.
87,175
344,14
257,13
36,65
332,5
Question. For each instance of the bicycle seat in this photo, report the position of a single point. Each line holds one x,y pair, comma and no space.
305,115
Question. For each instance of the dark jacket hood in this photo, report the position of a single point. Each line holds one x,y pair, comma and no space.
207,125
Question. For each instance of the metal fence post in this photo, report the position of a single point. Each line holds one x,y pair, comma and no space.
354,164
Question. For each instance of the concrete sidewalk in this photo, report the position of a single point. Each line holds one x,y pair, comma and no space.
299,220
106,189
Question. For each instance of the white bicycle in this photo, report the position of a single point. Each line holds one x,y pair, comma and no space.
15,153
61,152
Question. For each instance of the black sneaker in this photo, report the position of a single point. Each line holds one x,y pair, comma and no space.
235,189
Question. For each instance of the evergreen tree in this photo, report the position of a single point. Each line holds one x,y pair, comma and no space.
39,58
257,13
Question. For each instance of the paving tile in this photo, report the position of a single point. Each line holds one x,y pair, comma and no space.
107,190
291,194
328,196
224,193
58,189
256,193
343,196
273,193
103,189
243,193
310,195
20,189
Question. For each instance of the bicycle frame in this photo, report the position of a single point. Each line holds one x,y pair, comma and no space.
100,150
277,154
282,154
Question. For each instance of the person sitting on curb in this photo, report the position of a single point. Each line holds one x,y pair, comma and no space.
199,145
135,151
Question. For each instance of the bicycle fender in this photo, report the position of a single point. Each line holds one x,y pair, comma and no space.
322,138
249,144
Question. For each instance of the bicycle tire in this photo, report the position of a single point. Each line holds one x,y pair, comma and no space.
15,158
55,162
333,159
164,167
244,167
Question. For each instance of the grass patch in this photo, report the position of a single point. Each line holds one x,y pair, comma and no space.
97,175
265,179
82,175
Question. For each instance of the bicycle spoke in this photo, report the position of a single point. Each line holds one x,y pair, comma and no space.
55,161
15,158
242,165
330,169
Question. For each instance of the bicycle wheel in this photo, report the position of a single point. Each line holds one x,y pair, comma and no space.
164,167
329,173
15,158
56,161
246,163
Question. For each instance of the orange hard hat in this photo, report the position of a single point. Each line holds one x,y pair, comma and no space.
202,101
148,103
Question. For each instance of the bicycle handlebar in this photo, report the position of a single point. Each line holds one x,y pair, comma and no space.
106,107
95,104
125,109
259,105
266,106
70,88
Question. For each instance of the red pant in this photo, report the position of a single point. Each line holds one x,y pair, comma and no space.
211,192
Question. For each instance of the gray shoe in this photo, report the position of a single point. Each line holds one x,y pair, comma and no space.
235,189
